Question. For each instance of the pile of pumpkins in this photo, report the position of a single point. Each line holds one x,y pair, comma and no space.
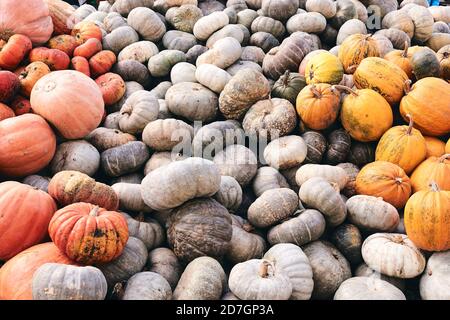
349,198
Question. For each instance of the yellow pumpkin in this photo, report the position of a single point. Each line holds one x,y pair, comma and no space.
365,114
402,59
324,68
355,48
318,105
402,145
427,219
432,169
435,146
428,102
383,76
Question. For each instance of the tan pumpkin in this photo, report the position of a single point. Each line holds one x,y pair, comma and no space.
444,59
435,169
435,146
324,68
355,48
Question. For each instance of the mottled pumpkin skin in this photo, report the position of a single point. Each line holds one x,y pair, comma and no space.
89,234
112,87
30,75
324,68
355,48
386,180
427,216
86,30
318,105
64,42
55,59
435,147
401,58
13,51
428,103
383,76
435,169
366,115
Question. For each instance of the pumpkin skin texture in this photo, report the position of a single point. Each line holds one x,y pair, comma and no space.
435,146
63,16
85,30
56,97
444,60
16,275
30,75
364,288
363,270
112,87
402,58
164,262
425,64
9,86
13,51
285,152
147,230
332,174
393,254
383,76
365,114
403,146
89,234
318,105
147,286
355,48
428,103
30,18
102,62
352,171
348,240
81,64
268,178
238,162
317,146
339,143
20,106
22,225
386,180
435,169
89,48
54,58
324,68
426,219
435,282
288,86
64,43
27,143
54,281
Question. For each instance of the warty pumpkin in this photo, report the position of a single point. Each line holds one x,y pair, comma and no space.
65,43
435,169
428,102
112,87
30,75
435,146
365,114
88,234
427,213
355,48
386,180
324,68
13,51
402,58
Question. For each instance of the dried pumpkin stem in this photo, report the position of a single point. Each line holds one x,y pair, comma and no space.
411,124
444,157
398,180
434,186
346,89
405,51
286,77
140,217
407,87
264,268
315,92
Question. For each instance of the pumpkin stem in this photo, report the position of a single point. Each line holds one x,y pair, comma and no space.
335,186
94,212
140,217
352,68
398,180
407,87
286,78
315,92
405,51
445,54
411,124
264,268
247,227
434,186
444,157
346,89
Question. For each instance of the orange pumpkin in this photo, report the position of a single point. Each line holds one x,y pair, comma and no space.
402,145
30,18
14,51
102,62
365,114
386,180
63,16
428,102
427,216
81,64
16,275
54,58
355,48
89,234
20,105
86,30
26,213
318,105
27,143
89,48
402,59
432,169
435,147
69,100
112,87
64,42
9,86
30,75
447,146
5,112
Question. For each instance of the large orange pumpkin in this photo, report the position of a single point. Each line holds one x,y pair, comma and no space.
63,16
355,48
16,275
402,145
432,169
89,234
30,18
25,215
386,180
30,75
428,101
402,59
435,146
365,114
69,100
27,145
13,51
427,219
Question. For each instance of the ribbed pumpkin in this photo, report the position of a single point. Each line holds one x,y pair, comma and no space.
89,234
288,86
63,16
324,68
427,216
401,58
27,145
69,100
16,275
13,51
386,180
365,114
428,102
435,147
402,145
318,105
435,169
355,48
383,76
25,215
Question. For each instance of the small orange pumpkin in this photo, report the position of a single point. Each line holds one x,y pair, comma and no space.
386,180
112,87
355,48
21,105
402,145
81,64
435,146
427,216
402,59
66,43
30,75
89,48
89,234
5,112
102,62
14,51
54,58
432,169
86,30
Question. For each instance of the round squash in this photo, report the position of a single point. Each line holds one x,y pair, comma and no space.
435,282
355,48
285,152
126,158
435,169
324,68
288,86
147,286
435,146
268,178
348,240
401,58
164,262
238,162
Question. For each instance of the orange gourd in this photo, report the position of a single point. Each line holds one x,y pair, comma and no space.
432,169
30,75
356,48
435,146
86,30
54,58
66,43
102,62
447,146
13,51
81,64
402,58
89,48
112,87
